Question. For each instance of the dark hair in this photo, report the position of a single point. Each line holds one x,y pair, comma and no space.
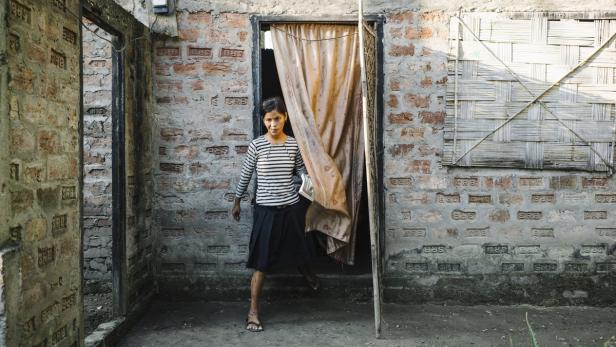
273,104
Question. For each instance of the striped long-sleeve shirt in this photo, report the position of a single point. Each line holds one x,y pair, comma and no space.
275,165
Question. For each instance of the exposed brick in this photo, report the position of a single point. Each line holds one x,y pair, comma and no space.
190,35
412,133
594,182
216,184
499,216
171,167
421,166
410,33
479,199
170,134
48,141
443,198
199,18
425,33
185,69
434,118
393,101
216,68
505,182
563,182
402,51
236,20
418,100
400,118
400,149
395,32
394,85
401,17
426,82
466,182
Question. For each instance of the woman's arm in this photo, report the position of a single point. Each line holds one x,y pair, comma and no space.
247,169
299,162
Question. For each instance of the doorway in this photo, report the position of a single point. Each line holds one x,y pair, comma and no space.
102,169
266,85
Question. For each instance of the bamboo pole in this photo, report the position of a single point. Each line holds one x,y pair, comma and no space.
370,180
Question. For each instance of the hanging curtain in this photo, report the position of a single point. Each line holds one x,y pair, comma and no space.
319,71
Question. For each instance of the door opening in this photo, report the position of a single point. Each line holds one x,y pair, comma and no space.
270,86
102,175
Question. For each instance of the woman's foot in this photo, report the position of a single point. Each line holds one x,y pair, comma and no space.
253,323
311,278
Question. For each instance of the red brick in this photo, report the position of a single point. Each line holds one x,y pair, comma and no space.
242,36
412,133
216,68
418,100
21,200
594,182
433,16
48,141
235,20
401,149
425,33
426,82
21,78
401,51
401,17
169,86
37,54
563,182
425,51
162,69
410,33
435,118
216,184
198,167
197,85
190,152
422,166
394,85
21,140
199,18
499,216
395,33
185,69
505,182
190,35
400,118
169,134
393,101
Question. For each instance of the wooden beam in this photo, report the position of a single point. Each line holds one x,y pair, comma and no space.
371,176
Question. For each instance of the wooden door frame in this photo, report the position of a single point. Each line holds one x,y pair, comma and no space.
257,22
118,164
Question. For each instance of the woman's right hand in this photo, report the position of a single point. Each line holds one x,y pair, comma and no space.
236,209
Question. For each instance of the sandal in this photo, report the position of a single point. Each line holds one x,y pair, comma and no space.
258,327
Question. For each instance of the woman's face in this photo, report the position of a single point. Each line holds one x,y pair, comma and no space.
274,122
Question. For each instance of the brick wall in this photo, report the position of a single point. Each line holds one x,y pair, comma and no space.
466,222
204,124
448,230
43,60
97,83
42,274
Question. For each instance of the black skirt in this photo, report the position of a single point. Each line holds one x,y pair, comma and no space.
278,238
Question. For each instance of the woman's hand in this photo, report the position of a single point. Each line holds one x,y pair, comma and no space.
236,209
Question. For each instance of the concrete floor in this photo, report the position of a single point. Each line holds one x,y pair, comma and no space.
314,322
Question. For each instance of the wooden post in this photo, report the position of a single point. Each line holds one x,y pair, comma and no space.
369,146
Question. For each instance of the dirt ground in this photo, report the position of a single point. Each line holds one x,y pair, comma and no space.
97,309
314,322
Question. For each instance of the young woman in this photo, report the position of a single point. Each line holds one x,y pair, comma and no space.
278,238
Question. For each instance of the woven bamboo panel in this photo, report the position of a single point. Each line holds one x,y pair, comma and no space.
572,126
